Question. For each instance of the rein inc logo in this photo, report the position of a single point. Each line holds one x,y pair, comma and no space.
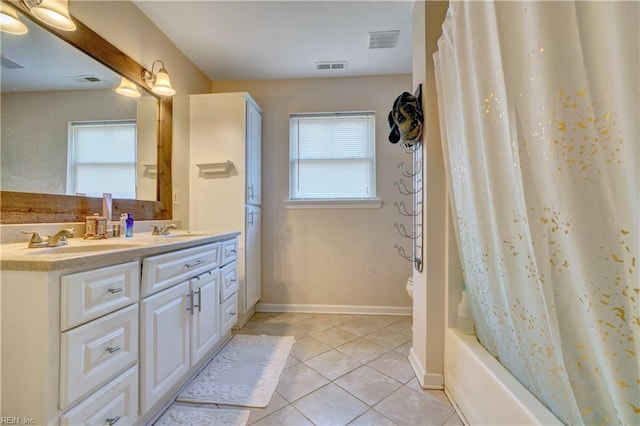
13,420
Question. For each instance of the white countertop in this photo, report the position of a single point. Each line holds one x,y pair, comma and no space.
81,253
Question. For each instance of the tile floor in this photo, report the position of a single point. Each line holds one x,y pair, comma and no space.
347,370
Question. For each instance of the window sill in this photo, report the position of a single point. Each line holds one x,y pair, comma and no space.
369,203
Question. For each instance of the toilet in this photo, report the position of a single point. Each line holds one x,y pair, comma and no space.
410,287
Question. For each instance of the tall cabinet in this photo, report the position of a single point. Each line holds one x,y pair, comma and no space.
225,188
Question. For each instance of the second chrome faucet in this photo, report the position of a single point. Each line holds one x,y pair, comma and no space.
163,229
59,239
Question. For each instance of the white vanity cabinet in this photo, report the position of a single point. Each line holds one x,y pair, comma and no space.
99,340
179,327
111,338
70,345
181,323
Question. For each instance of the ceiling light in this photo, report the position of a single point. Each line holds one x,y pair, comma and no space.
128,88
52,12
10,23
383,39
159,83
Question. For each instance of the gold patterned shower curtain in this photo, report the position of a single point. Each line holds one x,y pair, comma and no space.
540,116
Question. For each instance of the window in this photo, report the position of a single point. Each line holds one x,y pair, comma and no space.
102,158
332,156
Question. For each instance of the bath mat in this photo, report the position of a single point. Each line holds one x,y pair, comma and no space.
202,416
244,373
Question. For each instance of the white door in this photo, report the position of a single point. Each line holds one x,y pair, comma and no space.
205,317
253,277
164,343
254,155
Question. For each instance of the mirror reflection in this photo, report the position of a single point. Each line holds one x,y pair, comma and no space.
65,130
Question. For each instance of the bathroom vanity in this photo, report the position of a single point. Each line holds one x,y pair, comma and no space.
109,331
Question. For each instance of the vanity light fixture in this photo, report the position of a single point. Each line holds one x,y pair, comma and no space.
128,88
159,82
52,12
10,23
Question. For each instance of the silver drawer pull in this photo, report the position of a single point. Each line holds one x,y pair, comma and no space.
113,420
196,263
115,290
231,314
112,349
232,252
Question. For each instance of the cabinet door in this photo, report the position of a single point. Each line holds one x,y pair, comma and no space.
253,273
164,342
205,327
254,155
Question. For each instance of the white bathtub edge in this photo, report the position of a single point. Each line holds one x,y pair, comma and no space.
484,391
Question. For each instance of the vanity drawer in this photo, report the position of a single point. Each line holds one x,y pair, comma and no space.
229,251
164,270
94,353
229,314
116,402
91,294
229,281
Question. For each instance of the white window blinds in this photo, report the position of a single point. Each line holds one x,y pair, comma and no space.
332,156
102,158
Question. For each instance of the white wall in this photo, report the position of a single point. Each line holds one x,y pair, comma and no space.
126,27
320,257
334,257
427,353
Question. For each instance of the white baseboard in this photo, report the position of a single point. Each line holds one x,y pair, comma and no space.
334,309
426,380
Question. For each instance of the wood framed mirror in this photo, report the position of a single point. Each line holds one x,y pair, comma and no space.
23,207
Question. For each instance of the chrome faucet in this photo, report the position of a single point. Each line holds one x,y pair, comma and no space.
36,240
162,230
59,239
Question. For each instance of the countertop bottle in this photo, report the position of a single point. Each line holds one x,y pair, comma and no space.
123,224
129,225
465,318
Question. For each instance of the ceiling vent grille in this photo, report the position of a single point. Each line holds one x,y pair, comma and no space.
331,66
383,39
84,78
7,63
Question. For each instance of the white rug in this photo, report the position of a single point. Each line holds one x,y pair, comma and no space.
244,373
202,416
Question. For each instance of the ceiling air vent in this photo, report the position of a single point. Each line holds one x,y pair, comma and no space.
84,78
331,66
9,64
383,39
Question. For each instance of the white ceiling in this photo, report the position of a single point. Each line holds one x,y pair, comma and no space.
238,40
49,63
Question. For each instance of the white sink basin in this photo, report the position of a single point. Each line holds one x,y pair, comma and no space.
85,248
184,235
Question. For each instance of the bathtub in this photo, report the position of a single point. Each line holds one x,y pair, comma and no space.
483,391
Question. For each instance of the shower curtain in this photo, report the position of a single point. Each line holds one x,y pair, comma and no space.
540,110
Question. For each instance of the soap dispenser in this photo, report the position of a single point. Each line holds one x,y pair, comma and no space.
129,225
